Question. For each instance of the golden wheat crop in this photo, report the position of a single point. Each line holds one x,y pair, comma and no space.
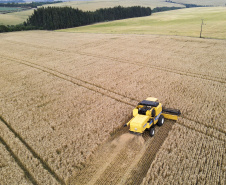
65,94
188,156
24,158
62,122
174,69
10,172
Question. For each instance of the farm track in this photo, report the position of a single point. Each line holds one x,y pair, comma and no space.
93,87
180,72
198,122
30,152
196,75
221,133
124,159
77,81
19,163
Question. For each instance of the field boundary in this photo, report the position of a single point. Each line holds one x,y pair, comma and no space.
32,151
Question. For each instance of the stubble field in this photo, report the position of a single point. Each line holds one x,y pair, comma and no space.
65,96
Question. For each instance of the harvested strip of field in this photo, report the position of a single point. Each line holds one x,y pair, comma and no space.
188,156
124,159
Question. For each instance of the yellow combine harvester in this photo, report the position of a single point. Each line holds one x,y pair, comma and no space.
150,113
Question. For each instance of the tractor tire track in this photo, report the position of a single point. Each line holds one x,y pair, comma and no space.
180,72
206,130
19,163
96,88
32,163
123,159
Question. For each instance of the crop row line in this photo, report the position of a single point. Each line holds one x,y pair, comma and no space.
201,132
19,163
208,126
79,82
32,151
85,84
196,75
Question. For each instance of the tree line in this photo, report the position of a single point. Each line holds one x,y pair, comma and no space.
164,8
52,18
188,5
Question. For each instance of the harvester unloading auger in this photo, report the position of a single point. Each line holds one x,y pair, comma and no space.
150,113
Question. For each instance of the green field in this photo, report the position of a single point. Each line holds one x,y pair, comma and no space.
6,10
3,9
15,17
20,17
183,22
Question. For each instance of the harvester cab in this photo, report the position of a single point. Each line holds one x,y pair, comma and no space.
149,113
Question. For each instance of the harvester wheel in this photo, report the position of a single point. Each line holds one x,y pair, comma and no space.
160,121
152,132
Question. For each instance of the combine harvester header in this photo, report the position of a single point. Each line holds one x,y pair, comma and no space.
150,113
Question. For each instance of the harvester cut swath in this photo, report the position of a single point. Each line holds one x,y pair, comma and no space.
149,113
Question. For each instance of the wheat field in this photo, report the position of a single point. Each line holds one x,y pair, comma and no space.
188,156
65,97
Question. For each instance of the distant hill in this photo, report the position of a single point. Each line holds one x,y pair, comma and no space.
202,2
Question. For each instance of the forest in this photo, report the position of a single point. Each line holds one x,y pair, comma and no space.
52,18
